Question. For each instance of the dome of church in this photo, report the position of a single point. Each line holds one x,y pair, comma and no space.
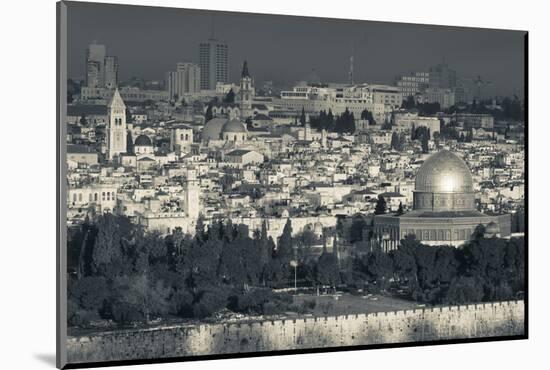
212,130
233,126
143,140
444,172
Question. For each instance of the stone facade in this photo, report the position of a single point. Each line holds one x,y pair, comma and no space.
419,325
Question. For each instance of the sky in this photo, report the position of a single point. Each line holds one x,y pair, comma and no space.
149,41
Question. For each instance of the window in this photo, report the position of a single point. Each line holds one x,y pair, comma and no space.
80,197
103,196
95,197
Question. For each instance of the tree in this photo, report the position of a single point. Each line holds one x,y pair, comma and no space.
227,182
139,294
408,103
248,122
345,123
381,206
394,140
112,238
279,269
367,115
303,117
400,209
378,267
265,251
229,97
329,121
129,118
327,272
199,228
357,227
208,115
464,289
284,248
425,148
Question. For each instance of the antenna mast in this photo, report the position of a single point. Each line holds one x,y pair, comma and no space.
351,65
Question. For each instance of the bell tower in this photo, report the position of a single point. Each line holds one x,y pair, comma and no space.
116,126
192,194
246,93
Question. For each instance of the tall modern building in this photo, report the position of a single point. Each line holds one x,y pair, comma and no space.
185,80
213,63
442,77
101,70
413,83
111,72
93,72
95,59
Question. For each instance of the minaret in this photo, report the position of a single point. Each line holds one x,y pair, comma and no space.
191,193
246,93
324,138
116,126
307,132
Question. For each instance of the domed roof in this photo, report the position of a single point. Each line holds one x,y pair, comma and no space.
318,227
213,129
233,126
143,140
444,172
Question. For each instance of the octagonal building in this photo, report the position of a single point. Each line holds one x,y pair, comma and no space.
444,211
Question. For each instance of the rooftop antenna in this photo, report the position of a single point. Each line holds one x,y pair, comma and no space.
351,64
212,28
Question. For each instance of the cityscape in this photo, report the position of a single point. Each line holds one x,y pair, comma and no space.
209,197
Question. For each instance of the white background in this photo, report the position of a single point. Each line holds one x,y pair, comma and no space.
27,206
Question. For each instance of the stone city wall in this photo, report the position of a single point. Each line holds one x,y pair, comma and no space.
453,322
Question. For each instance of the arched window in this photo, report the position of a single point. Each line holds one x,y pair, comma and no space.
74,197
103,196
80,197
95,197
186,137
235,138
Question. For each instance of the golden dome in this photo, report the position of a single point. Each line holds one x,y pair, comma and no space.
444,172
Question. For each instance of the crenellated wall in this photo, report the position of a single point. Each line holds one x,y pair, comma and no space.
453,322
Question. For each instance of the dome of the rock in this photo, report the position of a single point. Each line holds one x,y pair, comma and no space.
444,172
444,183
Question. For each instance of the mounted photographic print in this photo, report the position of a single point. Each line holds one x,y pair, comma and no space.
236,184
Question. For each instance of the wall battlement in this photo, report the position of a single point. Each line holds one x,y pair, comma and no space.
417,325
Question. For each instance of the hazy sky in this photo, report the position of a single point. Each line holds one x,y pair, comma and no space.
149,41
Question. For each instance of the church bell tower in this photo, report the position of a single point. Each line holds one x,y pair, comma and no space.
246,92
116,126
